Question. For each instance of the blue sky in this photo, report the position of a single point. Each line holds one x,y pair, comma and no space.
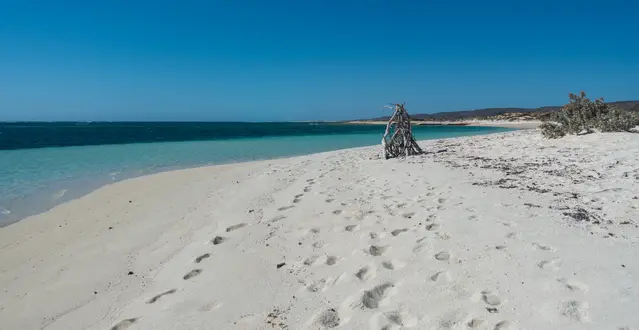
307,60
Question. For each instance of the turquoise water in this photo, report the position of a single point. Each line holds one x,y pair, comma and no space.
34,180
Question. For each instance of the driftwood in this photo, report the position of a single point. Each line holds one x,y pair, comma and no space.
401,141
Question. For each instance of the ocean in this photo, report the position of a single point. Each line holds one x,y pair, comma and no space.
45,164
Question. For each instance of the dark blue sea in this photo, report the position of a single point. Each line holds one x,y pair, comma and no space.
45,164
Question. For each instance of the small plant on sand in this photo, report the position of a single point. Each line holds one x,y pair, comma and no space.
583,116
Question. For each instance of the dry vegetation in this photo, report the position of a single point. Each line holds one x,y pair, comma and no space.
582,116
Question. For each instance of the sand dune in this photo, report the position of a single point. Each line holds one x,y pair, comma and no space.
502,231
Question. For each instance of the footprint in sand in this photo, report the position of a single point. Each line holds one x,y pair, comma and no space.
318,244
329,200
433,227
400,319
490,298
452,319
475,323
377,250
441,277
388,265
351,228
316,286
310,260
392,264
365,273
284,208
218,240
191,274
296,200
277,218
157,297
328,319
337,212
442,236
331,260
372,298
398,231
503,325
443,256
552,264
202,257
235,227
124,324
543,247
299,195
512,235
422,243
571,285
575,310
408,215
307,189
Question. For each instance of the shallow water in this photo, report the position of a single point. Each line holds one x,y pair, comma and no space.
36,179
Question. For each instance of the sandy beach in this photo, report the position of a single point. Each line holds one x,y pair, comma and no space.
500,231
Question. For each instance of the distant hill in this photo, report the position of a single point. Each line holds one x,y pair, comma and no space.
491,112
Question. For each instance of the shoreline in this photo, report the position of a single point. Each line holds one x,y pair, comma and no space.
482,123
76,187
299,241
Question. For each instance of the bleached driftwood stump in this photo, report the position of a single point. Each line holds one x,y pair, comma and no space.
401,141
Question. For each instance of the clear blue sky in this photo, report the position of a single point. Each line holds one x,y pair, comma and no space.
305,60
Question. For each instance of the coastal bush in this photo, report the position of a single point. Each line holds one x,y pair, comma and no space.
582,116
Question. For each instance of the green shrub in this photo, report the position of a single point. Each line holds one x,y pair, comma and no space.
582,116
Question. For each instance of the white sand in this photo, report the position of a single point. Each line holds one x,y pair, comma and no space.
477,234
